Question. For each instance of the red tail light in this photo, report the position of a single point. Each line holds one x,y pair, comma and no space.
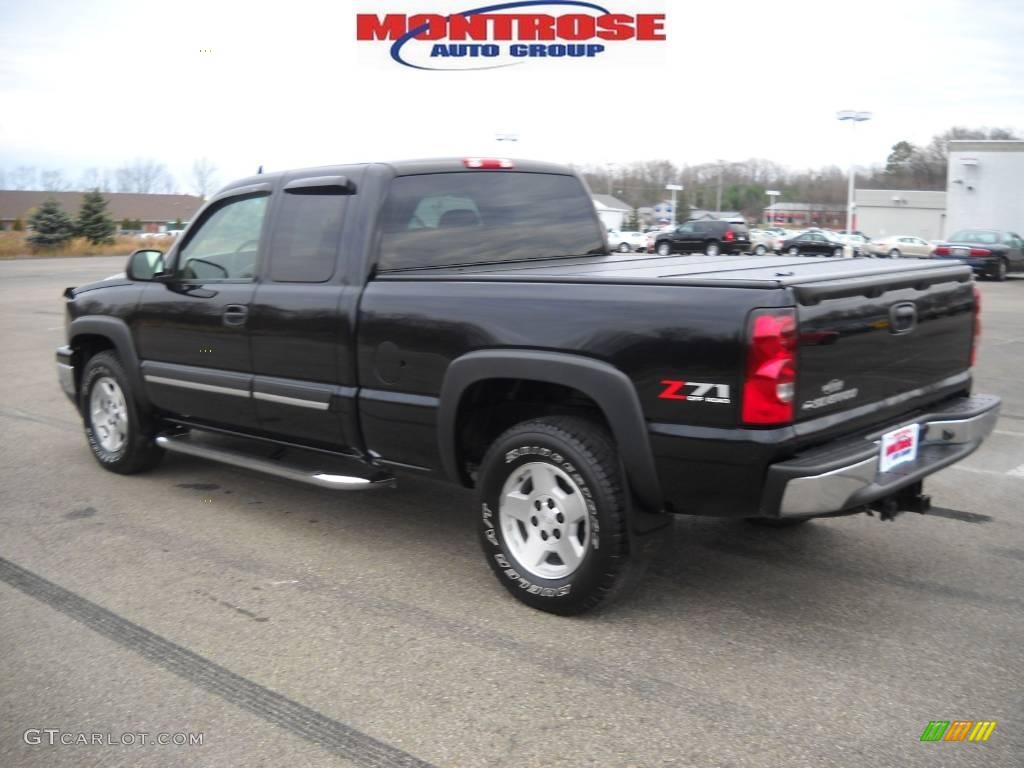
980,252
487,162
730,236
942,250
770,383
977,326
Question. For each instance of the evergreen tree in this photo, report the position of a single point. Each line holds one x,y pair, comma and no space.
18,226
51,226
126,224
178,223
94,223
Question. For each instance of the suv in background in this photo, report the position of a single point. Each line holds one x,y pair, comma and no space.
708,237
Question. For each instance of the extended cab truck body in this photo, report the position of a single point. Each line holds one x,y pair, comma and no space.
463,318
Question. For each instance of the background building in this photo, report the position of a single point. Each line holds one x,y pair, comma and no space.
157,213
985,186
806,215
612,211
883,212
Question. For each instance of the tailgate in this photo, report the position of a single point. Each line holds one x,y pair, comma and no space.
862,340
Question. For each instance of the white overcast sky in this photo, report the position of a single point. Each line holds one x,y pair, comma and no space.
87,84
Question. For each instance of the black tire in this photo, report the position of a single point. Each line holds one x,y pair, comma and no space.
623,247
137,453
712,248
760,250
778,522
894,253
793,251
663,248
999,273
583,452
837,252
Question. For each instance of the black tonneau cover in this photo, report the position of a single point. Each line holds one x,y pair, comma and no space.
815,278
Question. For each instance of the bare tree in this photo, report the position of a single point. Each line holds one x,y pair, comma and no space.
204,177
53,181
145,177
24,177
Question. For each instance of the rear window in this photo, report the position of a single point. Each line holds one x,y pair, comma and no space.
480,217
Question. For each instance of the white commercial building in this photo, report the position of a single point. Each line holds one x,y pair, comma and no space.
887,212
985,187
612,211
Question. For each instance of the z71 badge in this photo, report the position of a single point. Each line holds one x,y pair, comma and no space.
695,391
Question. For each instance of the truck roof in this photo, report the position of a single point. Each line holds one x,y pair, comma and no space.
403,168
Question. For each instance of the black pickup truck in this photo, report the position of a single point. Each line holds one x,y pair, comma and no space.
462,318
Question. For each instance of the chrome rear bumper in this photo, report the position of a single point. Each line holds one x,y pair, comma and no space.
847,476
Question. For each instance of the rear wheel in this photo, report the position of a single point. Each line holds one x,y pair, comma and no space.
118,431
760,250
553,514
1000,270
711,248
664,249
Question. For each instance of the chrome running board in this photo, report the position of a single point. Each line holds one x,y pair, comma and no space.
314,471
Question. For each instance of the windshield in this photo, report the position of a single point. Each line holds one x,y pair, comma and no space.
975,236
481,217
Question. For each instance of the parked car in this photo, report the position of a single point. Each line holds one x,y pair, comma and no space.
411,317
762,242
812,243
624,241
989,252
897,246
709,237
857,242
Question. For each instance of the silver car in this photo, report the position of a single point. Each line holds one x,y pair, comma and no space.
897,246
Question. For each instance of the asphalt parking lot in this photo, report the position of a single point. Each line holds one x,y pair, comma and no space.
293,627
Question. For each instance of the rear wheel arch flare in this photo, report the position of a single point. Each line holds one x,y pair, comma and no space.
603,384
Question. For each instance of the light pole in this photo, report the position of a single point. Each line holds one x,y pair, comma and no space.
853,117
772,194
674,188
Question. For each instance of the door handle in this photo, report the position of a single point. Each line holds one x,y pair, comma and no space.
235,314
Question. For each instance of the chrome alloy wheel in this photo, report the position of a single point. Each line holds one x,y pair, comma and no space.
544,521
108,414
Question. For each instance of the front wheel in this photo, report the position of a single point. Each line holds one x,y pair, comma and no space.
115,426
663,249
837,252
760,250
894,253
999,273
624,248
553,514
793,251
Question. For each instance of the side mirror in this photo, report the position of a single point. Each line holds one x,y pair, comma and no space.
145,264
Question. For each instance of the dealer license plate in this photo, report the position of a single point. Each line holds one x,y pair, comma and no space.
898,447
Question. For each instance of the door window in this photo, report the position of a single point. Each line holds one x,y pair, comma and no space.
226,244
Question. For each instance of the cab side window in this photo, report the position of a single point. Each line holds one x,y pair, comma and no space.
307,234
226,244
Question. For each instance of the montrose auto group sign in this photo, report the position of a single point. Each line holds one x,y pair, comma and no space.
506,34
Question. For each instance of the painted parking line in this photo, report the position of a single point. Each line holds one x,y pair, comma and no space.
1017,472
